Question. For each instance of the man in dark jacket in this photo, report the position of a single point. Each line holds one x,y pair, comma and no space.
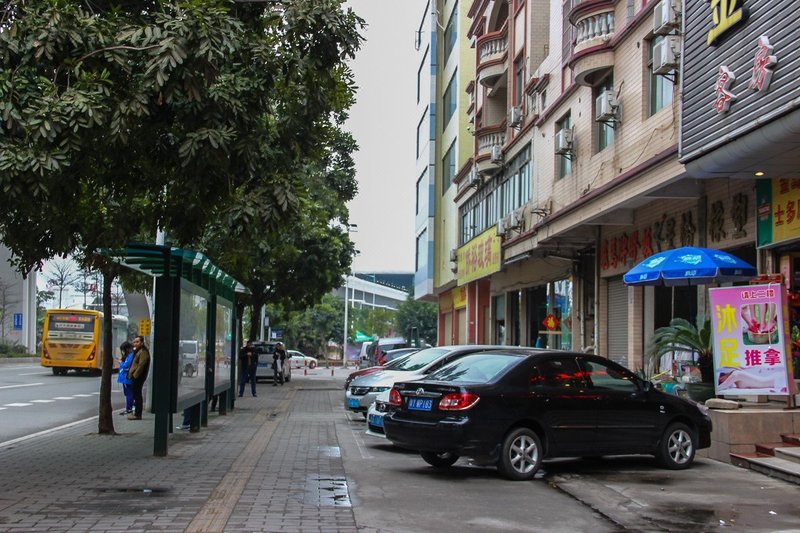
248,364
138,374
278,359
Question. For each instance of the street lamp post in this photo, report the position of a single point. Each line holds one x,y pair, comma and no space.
351,228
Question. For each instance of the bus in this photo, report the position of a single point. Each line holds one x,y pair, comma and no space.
72,339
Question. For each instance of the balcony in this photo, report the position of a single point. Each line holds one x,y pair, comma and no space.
594,29
492,53
487,139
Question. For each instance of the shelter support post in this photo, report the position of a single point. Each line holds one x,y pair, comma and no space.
165,348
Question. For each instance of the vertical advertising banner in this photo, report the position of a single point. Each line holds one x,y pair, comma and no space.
751,354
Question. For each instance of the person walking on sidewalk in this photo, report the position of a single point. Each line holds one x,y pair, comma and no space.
248,364
278,359
138,374
125,360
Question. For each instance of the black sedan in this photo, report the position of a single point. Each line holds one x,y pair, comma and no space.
512,410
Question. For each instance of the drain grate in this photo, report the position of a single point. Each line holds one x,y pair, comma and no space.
330,451
144,491
327,492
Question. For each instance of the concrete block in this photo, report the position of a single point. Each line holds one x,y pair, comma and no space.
719,403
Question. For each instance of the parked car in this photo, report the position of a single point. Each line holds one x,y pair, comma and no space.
372,353
371,370
512,410
299,360
188,350
391,355
265,351
363,390
376,412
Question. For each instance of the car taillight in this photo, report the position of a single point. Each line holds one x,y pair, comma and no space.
395,398
45,352
91,355
458,401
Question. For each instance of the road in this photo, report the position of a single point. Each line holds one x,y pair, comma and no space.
32,399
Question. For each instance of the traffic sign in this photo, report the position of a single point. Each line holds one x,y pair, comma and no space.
144,327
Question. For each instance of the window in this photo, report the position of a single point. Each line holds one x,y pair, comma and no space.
450,100
422,186
421,131
605,132
601,375
420,71
660,88
563,162
421,259
519,80
448,167
557,373
567,38
451,33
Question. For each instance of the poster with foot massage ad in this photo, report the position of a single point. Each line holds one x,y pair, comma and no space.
751,352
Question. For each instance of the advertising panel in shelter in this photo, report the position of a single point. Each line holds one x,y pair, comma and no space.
749,340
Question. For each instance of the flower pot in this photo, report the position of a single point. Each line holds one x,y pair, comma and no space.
700,392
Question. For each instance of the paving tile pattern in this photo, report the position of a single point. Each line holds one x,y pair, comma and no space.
271,465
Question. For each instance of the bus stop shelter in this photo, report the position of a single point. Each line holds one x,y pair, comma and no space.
193,336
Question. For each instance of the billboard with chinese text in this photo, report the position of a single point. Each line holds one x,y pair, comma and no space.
479,257
777,205
748,335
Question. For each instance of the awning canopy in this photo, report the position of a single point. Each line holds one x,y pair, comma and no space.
157,260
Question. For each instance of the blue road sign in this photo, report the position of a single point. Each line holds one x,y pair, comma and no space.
17,320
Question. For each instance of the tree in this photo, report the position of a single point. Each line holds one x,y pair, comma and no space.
418,314
310,330
63,276
683,336
120,117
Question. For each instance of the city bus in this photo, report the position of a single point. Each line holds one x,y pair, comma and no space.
72,339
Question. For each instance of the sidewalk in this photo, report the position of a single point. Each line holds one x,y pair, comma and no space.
270,465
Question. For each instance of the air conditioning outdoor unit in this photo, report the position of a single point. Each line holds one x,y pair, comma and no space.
515,116
564,141
474,179
515,218
453,255
606,106
497,154
666,17
501,227
666,55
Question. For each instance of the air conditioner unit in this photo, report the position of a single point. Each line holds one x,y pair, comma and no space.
515,218
417,39
474,179
564,141
666,17
501,227
497,154
666,55
515,116
453,255
606,106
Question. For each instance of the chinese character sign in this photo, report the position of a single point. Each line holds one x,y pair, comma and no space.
763,66
726,15
750,351
722,87
479,257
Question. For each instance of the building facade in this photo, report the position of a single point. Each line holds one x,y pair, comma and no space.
17,305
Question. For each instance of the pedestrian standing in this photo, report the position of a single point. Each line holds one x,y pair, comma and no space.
278,359
125,360
138,374
248,364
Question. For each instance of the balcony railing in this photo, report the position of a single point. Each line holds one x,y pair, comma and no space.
492,45
489,139
597,26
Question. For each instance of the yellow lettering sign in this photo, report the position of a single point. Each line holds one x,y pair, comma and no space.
726,318
144,327
726,14
728,355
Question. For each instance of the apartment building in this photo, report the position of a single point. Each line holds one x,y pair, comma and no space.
568,176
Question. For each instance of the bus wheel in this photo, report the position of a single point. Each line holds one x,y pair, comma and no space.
56,371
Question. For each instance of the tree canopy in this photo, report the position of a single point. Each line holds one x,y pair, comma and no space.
118,117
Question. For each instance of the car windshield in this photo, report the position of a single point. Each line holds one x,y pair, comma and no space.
476,368
419,359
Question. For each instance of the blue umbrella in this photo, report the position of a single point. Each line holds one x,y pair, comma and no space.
689,266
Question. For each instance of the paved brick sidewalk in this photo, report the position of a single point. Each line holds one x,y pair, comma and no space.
273,464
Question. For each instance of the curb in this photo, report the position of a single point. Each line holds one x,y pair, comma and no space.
9,360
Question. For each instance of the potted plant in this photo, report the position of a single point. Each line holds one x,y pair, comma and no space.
683,336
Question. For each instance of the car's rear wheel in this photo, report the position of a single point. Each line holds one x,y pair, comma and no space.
440,459
677,447
312,365
521,455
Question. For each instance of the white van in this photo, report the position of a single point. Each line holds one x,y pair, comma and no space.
371,352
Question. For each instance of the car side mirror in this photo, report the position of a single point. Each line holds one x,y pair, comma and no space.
647,385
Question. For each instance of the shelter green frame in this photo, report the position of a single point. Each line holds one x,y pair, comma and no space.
169,265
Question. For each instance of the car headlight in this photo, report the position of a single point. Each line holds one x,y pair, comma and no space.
700,407
379,389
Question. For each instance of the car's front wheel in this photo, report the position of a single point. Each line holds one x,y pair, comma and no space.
439,460
521,455
312,365
677,447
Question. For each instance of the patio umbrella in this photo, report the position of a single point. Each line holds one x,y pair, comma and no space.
689,266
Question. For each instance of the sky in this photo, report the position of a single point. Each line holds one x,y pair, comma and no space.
383,123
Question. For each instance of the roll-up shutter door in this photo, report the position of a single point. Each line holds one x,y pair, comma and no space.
618,321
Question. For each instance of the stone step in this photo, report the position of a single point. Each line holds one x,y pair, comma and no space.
771,466
790,453
768,448
791,439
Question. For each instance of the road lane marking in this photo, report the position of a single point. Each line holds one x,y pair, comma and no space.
42,401
83,395
63,398
18,404
32,373
46,431
23,385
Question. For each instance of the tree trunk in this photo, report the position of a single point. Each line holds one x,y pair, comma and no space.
255,319
105,422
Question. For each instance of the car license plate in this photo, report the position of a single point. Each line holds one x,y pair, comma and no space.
420,404
376,420
352,402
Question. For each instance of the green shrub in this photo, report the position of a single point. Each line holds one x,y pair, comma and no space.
9,349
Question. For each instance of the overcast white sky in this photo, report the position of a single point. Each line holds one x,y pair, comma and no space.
383,122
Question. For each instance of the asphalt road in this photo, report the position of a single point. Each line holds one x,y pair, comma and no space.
33,400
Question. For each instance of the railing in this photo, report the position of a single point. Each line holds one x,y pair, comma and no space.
492,44
489,139
599,26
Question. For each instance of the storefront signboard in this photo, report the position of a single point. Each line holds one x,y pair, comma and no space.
778,210
749,340
480,257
